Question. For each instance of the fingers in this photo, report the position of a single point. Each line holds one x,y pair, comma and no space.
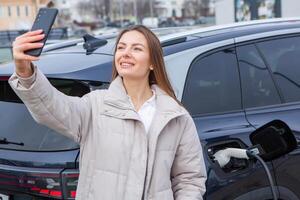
18,51
27,57
28,46
27,42
30,33
30,39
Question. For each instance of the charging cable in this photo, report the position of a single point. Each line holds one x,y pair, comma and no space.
223,157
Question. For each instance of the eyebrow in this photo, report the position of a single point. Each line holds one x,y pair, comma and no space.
134,44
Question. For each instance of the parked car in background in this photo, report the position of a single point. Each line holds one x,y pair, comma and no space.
210,20
232,79
152,22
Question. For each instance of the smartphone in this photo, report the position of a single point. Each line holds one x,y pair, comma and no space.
44,20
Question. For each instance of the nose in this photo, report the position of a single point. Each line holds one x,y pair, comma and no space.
126,53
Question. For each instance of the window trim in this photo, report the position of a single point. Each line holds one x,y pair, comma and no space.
267,35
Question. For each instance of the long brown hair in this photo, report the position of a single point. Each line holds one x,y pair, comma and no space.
158,75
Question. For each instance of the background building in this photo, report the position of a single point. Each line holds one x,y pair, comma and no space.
244,10
168,8
19,14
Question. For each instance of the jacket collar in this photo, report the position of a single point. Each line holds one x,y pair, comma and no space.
117,103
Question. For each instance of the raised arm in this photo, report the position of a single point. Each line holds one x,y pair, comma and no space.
27,41
67,115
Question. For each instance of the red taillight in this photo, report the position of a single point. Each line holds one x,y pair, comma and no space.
47,185
42,184
70,181
4,78
35,189
55,193
73,194
51,193
44,191
53,184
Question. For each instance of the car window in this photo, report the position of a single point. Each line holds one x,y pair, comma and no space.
68,87
283,56
17,125
213,84
257,86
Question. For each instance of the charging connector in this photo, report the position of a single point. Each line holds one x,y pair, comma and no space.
223,157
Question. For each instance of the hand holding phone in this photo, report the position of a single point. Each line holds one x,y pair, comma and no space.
44,20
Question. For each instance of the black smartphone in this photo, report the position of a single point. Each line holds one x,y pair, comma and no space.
44,20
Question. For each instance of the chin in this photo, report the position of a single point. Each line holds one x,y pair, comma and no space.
131,76
128,76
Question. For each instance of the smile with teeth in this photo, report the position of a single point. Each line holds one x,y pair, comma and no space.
126,65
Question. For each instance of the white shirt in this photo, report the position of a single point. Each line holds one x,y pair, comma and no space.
147,111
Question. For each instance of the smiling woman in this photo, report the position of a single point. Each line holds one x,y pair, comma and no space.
137,141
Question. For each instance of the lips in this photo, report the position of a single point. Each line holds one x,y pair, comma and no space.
126,64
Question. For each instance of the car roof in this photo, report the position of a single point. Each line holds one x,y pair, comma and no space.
173,35
110,37
66,65
228,28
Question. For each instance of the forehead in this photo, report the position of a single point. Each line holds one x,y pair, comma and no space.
133,37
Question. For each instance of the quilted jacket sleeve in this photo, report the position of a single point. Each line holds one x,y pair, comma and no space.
188,170
65,114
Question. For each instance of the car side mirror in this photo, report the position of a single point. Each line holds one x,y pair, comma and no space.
275,138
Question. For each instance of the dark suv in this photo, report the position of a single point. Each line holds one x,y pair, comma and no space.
232,79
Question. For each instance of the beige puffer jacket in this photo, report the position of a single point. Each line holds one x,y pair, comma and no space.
118,160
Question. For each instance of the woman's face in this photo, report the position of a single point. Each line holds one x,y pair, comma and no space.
132,57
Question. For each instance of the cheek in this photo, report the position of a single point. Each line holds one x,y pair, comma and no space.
145,61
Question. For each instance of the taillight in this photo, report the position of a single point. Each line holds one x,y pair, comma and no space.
61,186
69,182
44,184
4,78
51,183
40,184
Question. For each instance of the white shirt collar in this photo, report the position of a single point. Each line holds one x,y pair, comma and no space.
147,110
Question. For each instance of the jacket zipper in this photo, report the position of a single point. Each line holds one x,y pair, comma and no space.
146,171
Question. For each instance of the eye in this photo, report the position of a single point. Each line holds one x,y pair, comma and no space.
137,49
120,47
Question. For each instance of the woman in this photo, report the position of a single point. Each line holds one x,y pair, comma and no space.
136,140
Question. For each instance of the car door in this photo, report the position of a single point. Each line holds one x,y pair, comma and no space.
270,71
212,95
